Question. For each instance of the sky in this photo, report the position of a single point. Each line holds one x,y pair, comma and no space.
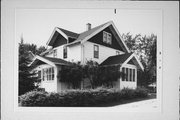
37,25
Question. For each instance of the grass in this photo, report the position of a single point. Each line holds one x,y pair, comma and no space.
151,96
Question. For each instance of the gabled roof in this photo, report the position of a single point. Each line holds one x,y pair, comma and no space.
84,36
117,59
69,33
50,61
121,60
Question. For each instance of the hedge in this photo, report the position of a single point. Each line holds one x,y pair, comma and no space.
92,97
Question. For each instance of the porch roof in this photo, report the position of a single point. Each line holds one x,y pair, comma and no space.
122,60
49,60
57,61
117,59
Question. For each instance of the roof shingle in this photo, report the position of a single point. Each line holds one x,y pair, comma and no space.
69,33
57,61
117,59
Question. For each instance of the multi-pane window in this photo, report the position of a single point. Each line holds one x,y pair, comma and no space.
128,74
65,52
54,53
48,74
107,37
96,51
133,74
124,73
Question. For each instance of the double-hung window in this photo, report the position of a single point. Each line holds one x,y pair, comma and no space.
107,38
96,51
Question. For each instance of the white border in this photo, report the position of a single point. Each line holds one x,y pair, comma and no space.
170,50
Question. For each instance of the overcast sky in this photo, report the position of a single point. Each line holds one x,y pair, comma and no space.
36,25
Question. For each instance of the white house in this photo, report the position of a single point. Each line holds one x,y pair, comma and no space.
102,44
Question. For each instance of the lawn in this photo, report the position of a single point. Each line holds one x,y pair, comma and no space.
150,96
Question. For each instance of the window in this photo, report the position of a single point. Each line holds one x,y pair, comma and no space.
96,51
54,53
39,74
127,74
65,52
123,76
117,53
130,75
133,74
107,37
48,74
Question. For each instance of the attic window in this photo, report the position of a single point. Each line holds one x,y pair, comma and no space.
107,37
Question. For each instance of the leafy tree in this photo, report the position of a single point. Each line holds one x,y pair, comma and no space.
71,74
109,74
145,49
97,75
27,78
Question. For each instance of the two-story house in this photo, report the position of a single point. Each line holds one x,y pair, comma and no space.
102,44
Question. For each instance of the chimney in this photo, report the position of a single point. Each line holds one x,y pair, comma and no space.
88,26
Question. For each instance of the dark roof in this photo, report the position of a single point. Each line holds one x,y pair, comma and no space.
57,60
117,59
87,33
69,33
82,35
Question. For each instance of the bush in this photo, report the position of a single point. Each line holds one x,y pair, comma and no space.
91,97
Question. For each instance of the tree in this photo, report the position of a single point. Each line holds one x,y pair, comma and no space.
109,74
72,75
145,49
27,78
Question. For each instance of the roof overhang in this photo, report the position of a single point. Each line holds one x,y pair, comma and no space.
100,29
137,62
50,41
37,58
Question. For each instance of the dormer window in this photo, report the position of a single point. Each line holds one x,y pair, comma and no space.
107,37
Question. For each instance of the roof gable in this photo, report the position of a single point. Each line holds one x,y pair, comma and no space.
122,59
117,59
49,60
98,39
84,36
69,33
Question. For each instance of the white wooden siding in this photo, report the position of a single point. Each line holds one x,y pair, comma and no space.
73,53
104,52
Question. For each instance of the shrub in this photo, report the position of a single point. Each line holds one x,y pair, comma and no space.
91,97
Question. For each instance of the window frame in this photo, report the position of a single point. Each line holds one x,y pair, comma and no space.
107,37
96,53
55,53
48,74
65,52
